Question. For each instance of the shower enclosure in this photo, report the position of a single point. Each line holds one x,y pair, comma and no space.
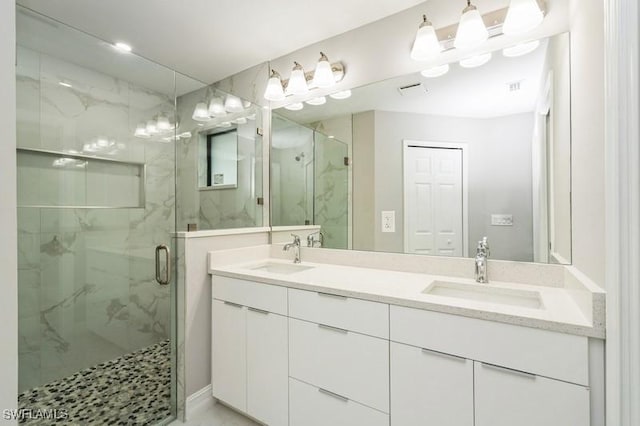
97,208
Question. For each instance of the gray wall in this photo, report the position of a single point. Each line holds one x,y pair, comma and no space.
363,176
8,219
499,175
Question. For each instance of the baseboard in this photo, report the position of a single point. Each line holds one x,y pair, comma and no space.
199,401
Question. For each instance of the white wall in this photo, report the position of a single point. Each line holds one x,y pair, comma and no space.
587,117
499,175
8,219
363,170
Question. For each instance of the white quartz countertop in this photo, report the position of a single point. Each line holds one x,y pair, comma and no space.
560,311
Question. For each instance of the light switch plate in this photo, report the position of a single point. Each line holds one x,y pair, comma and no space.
502,219
389,221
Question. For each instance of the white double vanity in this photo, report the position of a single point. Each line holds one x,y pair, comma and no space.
356,338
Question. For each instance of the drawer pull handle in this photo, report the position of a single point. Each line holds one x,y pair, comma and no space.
235,305
336,329
335,296
443,355
260,311
509,371
334,395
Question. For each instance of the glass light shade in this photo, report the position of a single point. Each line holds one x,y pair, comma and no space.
297,82
241,120
141,131
520,49
163,123
246,104
295,107
317,101
426,45
152,127
436,71
341,95
274,91
323,75
471,30
201,113
251,117
233,104
475,61
225,124
522,16
216,108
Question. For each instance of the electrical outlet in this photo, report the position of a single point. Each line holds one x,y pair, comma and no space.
502,219
389,221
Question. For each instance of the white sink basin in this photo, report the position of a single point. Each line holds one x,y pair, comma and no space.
485,293
280,268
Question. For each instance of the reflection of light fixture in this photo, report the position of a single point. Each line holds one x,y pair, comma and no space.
295,106
201,113
122,47
225,124
251,117
163,123
341,95
426,45
233,104
323,75
436,71
141,131
520,49
297,82
274,91
216,108
475,61
471,30
317,101
240,120
522,16
152,128
65,84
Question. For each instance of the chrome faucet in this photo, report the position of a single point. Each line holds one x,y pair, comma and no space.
311,241
296,248
482,254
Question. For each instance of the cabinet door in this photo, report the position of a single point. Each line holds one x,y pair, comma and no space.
267,367
507,398
430,388
229,354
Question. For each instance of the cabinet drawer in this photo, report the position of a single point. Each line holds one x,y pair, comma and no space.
349,364
362,316
312,406
545,353
267,297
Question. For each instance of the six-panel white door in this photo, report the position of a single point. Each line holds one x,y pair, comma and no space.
433,201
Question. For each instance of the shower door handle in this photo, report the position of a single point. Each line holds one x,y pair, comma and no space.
167,275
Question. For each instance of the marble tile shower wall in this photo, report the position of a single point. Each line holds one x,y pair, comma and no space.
86,276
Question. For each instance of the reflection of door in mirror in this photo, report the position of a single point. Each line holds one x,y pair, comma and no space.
221,160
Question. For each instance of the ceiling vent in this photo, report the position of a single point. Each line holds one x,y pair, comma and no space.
412,90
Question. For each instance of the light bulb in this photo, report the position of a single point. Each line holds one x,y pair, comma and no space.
341,95
436,71
233,104
522,16
152,127
163,123
323,75
274,90
317,101
297,82
520,49
201,113
141,131
426,45
216,108
475,61
295,106
471,30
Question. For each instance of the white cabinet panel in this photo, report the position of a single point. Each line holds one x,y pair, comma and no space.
347,363
271,298
431,386
508,398
267,367
357,315
228,354
310,406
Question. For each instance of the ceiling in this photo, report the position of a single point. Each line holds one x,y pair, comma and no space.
211,40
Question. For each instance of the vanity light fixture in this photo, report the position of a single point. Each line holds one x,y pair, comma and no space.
201,112
163,124
472,31
225,124
295,106
141,131
216,107
152,127
476,60
426,45
122,47
520,49
317,101
274,91
233,104
522,16
341,95
323,75
297,82
240,120
434,72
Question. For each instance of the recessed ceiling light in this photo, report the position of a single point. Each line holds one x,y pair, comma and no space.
341,95
294,107
64,84
520,49
123,47
475,61
436,71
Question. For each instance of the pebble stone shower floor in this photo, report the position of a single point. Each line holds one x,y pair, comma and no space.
134,389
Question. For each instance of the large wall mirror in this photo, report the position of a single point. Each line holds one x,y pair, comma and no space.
429,164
